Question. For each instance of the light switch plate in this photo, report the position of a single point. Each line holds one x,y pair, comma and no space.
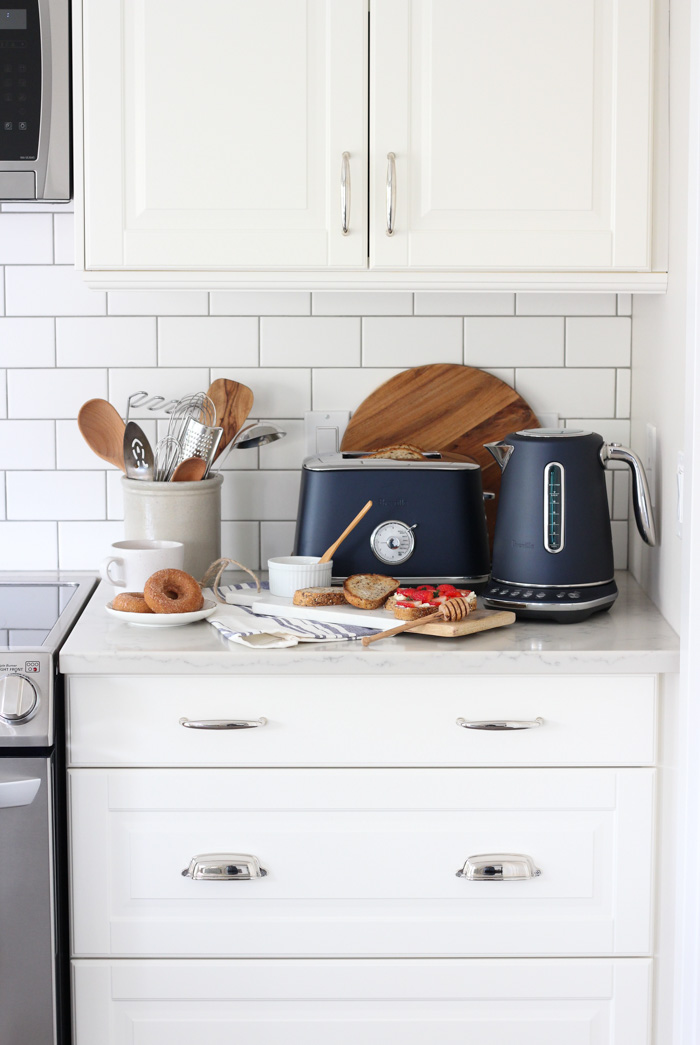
324,430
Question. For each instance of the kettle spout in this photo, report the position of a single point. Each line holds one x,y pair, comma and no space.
500,452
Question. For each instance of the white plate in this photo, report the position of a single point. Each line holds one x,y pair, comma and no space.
162,620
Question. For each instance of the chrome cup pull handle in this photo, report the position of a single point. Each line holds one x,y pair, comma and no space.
224,867
501,724
345,193
390,193
223,723
499,867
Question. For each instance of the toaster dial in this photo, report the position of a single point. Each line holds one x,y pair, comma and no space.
393,541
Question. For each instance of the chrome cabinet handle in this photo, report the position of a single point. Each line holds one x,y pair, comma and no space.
501,724
224,867
345,193
499,867
223,723
390,193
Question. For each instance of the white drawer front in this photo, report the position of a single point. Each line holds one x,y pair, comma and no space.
394,720
361,862
590,1002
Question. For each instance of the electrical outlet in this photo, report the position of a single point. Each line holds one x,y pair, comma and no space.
680,477
324,430
650,461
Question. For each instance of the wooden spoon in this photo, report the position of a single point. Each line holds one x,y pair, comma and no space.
452,610
191,470
233,403
103,430
329,552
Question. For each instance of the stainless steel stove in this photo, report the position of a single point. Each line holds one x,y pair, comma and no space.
36,614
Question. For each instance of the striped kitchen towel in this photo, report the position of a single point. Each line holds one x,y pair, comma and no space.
239,623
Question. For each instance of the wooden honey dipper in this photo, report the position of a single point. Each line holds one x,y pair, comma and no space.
452,610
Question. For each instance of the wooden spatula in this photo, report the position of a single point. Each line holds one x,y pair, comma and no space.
103,430
452,610
330,552
233,403
191,470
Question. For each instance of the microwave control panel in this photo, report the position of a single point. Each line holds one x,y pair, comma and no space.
20,81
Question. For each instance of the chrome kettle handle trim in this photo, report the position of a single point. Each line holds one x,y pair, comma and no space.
223,723
499,725
500,452
641,499
499,867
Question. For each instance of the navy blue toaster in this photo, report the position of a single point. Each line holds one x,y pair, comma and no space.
427,522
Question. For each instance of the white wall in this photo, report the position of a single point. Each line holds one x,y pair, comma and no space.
61,344
659,349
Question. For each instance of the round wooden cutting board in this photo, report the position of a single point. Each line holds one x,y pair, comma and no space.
443,406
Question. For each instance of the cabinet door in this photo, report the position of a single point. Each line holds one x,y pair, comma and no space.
494,1002
214,133
521,133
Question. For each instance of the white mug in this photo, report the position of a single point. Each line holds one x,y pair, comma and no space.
133,562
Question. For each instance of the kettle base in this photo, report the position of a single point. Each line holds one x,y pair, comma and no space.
568,605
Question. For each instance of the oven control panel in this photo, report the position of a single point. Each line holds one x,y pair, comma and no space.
26,690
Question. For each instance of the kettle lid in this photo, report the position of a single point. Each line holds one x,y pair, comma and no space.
552,433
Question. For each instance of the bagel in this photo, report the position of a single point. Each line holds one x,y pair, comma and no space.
172,591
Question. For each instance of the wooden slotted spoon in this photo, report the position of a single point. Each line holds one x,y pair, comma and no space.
103,430
451,610
233,402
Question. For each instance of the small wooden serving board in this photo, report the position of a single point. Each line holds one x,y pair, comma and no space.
272,606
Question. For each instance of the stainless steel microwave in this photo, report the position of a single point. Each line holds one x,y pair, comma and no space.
35,100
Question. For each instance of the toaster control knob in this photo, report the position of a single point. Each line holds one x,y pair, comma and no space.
393,542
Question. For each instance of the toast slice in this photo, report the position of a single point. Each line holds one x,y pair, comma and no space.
413,603
399,452
408,612
319,597
369,591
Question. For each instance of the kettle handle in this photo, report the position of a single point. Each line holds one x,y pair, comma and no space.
640,488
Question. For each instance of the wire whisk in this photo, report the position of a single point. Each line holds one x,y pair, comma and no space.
196,407
167,457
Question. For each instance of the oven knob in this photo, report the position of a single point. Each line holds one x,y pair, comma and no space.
18,699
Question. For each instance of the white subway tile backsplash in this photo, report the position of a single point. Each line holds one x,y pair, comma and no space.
260,303
28,444
26,239
106,342
288,452
496,341
2,495
506,374
362,303
63,239
28,546
276,538
620,534
3,393
621,492
449,303
53,393
83,545
115,499
158,303
27,342
313,341
50,290
171,382
568,391
208,340
404,342
623,402
278,393
260,495
565,304
241,541
345,389
56,495
598,342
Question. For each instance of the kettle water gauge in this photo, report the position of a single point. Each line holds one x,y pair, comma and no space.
393,542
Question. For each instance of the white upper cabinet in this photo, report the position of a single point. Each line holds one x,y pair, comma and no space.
521,133
481,144
214,133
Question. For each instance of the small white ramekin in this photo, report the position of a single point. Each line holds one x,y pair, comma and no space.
288,573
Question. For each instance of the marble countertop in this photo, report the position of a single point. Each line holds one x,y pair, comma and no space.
632,637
